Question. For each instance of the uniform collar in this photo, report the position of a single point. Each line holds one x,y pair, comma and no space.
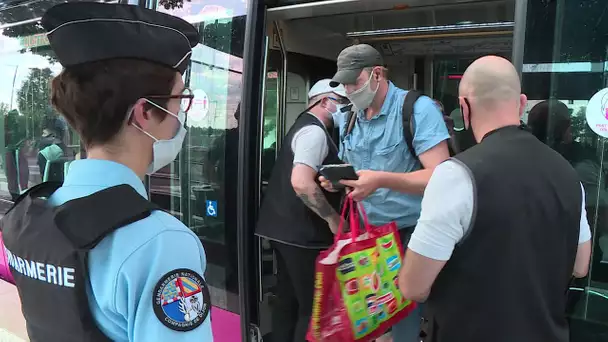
386,106
103,173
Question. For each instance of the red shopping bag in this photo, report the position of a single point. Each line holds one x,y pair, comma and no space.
357,295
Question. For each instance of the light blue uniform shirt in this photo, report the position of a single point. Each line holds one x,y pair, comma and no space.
125,267
378,144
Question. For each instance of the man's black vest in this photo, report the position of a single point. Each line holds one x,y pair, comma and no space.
47,250
507,279
283,216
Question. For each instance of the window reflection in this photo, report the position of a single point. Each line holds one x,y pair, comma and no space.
37,144
15,11
564,65
447,73
271,111
200,186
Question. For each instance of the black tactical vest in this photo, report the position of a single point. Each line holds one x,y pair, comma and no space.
47,250
283,216
507,279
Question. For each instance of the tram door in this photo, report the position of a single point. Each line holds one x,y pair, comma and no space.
288,78
304,40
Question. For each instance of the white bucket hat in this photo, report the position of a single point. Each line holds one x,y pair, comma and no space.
323,87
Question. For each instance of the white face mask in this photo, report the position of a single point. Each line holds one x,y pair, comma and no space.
165,151
363,98
338,109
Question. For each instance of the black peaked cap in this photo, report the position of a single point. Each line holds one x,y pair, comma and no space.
82,32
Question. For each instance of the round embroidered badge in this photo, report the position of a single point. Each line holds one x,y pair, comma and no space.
181,300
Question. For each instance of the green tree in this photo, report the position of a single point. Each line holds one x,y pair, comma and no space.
171,4
34,100
226,35
3,108
581,131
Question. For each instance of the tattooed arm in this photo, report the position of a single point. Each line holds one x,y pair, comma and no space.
303,182
309,146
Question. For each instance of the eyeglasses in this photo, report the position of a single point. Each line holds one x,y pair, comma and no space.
186,99
339,100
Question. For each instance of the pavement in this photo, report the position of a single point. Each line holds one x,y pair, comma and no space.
12,323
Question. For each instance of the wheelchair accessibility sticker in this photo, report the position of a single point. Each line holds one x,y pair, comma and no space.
211,208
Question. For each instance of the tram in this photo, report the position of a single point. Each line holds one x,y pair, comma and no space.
250,75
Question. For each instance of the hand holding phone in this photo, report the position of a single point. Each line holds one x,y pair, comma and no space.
337,172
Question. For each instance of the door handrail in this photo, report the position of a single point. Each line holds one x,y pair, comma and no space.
283,89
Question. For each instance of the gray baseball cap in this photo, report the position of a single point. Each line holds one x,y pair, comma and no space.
353,60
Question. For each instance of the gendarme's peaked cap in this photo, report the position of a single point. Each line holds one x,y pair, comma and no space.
82,32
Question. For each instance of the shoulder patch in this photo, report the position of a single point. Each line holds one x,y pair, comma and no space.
181,300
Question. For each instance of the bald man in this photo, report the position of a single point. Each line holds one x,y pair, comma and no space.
503,227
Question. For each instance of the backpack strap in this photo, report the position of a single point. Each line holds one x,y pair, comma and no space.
351,118
86,221
409,125
45,189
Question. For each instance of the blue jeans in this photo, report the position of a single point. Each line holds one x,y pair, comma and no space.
408,329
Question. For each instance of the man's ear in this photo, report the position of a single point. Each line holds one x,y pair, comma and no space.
378,73
324,101
523,100
464,111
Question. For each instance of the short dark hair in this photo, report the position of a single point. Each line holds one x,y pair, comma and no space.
95,97
544,113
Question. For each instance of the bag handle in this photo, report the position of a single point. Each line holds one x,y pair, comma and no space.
338,235
360,210
364,214
355,222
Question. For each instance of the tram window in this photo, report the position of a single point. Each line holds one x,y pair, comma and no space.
559,77
199,188
271,113
36,143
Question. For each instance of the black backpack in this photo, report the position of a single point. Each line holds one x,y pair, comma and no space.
409,125
47,249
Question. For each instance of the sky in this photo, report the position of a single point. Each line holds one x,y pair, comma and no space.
15,66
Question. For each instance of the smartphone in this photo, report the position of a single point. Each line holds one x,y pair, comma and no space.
337,172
